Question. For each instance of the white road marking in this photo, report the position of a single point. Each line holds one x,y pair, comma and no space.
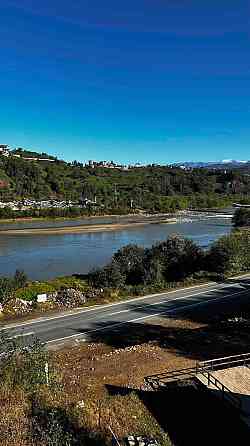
118,312
31,333
101,307
148,316
10,327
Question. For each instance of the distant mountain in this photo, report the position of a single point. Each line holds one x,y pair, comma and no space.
228,163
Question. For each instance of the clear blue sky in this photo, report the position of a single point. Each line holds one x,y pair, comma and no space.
135,80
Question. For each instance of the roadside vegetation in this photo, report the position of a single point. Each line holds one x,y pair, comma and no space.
174,261
242,218
90,386
40,408
132,271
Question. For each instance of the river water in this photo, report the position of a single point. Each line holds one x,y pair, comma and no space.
44,256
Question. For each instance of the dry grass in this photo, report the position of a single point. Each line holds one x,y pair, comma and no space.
15,423
101,381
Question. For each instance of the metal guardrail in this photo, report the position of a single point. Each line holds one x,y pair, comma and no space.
223,363
161,379
204,368
226,392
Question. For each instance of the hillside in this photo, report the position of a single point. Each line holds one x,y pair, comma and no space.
149,188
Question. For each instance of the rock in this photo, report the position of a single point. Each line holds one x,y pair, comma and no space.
80,404
68,298
131,440
17,306
141,441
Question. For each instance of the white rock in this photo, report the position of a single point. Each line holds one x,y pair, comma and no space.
80,404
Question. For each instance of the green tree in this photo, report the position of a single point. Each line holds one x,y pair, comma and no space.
230,254
241,217
130,259
108,277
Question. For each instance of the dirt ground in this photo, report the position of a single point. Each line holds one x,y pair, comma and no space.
101,383
107,375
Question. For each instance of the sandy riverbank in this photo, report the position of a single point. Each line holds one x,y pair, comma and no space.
61,219
83,228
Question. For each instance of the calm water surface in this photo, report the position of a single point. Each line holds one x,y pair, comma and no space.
46,256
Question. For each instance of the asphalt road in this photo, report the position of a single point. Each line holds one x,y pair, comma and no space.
83,324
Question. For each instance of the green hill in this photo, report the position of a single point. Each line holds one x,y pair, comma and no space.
151,188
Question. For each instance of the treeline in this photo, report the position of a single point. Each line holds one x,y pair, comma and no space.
174,260
151,188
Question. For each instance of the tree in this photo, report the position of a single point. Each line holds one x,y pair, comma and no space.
108,277
6,289
20,279
230,254
130,260
241,217
153,269
179,257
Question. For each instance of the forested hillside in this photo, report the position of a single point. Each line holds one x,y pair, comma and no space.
154,188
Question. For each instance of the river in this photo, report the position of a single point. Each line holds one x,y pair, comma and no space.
45,256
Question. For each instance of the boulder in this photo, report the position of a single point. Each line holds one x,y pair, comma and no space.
68,298
17,306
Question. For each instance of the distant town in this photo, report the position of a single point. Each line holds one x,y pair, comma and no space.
35,182
7,151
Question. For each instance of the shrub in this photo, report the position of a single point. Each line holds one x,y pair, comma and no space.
230,254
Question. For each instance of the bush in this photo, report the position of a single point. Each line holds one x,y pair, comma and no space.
31,291
241,217
22,365
230,254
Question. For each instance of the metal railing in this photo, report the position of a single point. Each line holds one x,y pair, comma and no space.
204,368
225,391
161,379
223,363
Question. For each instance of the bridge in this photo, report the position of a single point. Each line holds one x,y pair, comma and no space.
228,378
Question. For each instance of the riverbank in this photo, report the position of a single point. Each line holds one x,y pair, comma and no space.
59,219
86,228
138,215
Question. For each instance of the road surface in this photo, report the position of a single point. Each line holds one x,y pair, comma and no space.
86,323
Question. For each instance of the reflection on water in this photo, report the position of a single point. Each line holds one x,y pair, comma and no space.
46,256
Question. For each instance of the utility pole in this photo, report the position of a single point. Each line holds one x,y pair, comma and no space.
115,193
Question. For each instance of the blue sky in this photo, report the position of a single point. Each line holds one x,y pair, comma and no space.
142,80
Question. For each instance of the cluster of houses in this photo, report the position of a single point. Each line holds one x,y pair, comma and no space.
6,151
112,165
25,204
106,165
22,205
